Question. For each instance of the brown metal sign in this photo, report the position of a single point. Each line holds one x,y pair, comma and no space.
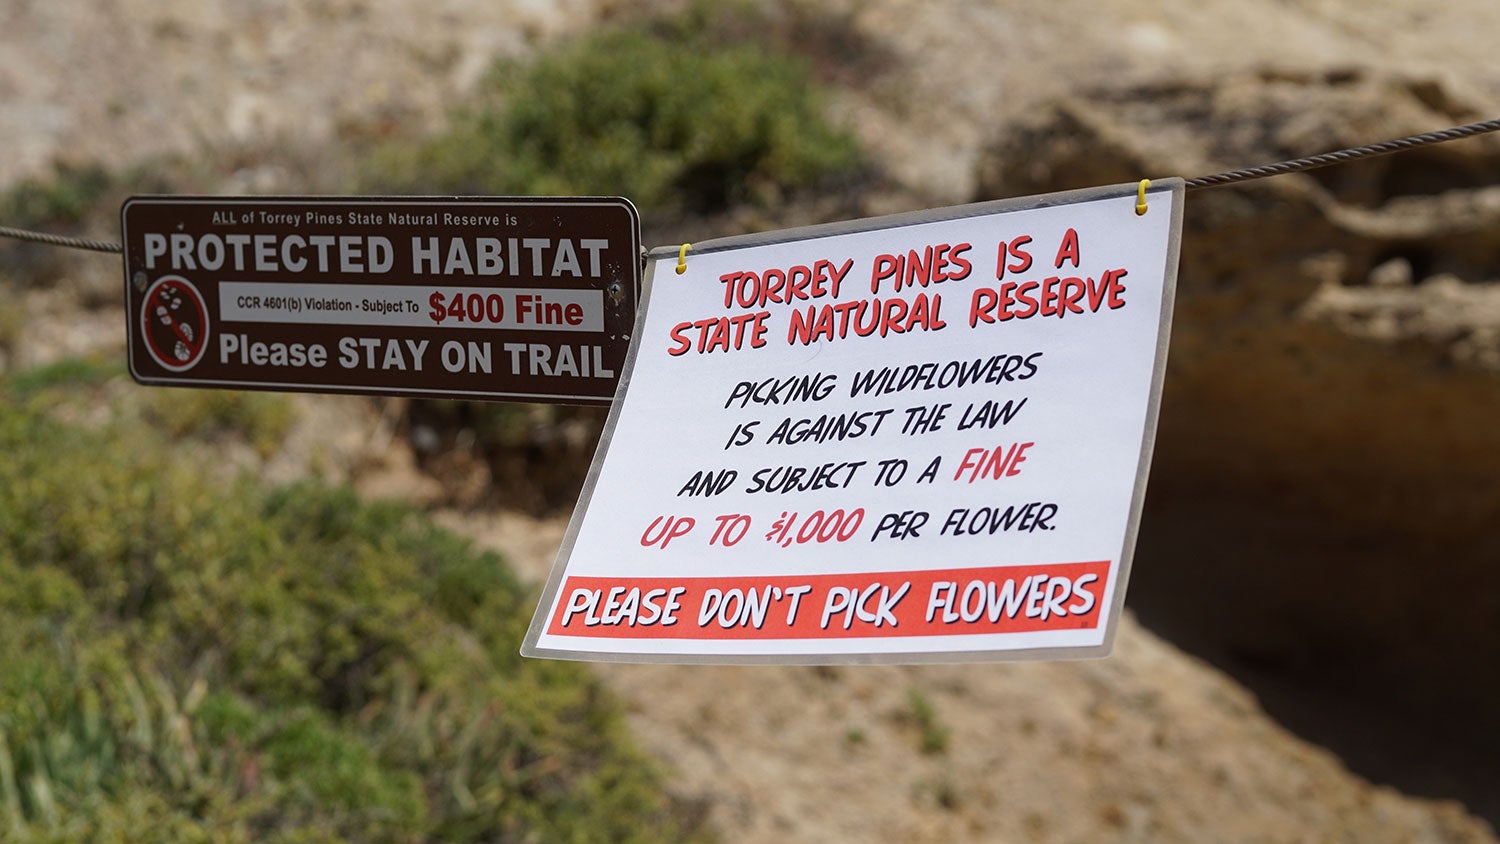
477,298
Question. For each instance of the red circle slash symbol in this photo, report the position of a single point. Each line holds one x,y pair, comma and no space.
174,323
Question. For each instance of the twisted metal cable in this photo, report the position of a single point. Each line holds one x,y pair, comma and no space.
58,240
1218,179
1343,155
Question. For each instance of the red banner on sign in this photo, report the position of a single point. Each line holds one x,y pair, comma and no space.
945,602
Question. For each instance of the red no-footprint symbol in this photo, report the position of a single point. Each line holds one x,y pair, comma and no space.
174,322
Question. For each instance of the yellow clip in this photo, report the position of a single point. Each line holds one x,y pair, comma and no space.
1140,199
682,258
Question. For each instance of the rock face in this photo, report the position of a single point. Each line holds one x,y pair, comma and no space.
112,82
1322,507
1323,503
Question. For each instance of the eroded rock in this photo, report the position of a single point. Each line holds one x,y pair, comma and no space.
1323,508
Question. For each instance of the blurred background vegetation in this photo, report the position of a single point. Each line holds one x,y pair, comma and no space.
670,114
693,114
192,656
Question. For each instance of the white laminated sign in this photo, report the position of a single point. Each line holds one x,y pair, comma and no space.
904,439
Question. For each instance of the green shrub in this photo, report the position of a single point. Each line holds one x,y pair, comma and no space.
190,658
73,199
690,113
669,118
65,198
933,735
261,419
68,373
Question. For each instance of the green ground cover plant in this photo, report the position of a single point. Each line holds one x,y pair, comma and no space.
261,419
65,198
64,374
666,113
193,658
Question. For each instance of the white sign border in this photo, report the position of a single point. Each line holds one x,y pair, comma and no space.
1168,192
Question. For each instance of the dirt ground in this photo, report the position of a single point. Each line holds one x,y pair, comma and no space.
1149,745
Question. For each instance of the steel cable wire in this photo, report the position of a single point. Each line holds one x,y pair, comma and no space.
1279,168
